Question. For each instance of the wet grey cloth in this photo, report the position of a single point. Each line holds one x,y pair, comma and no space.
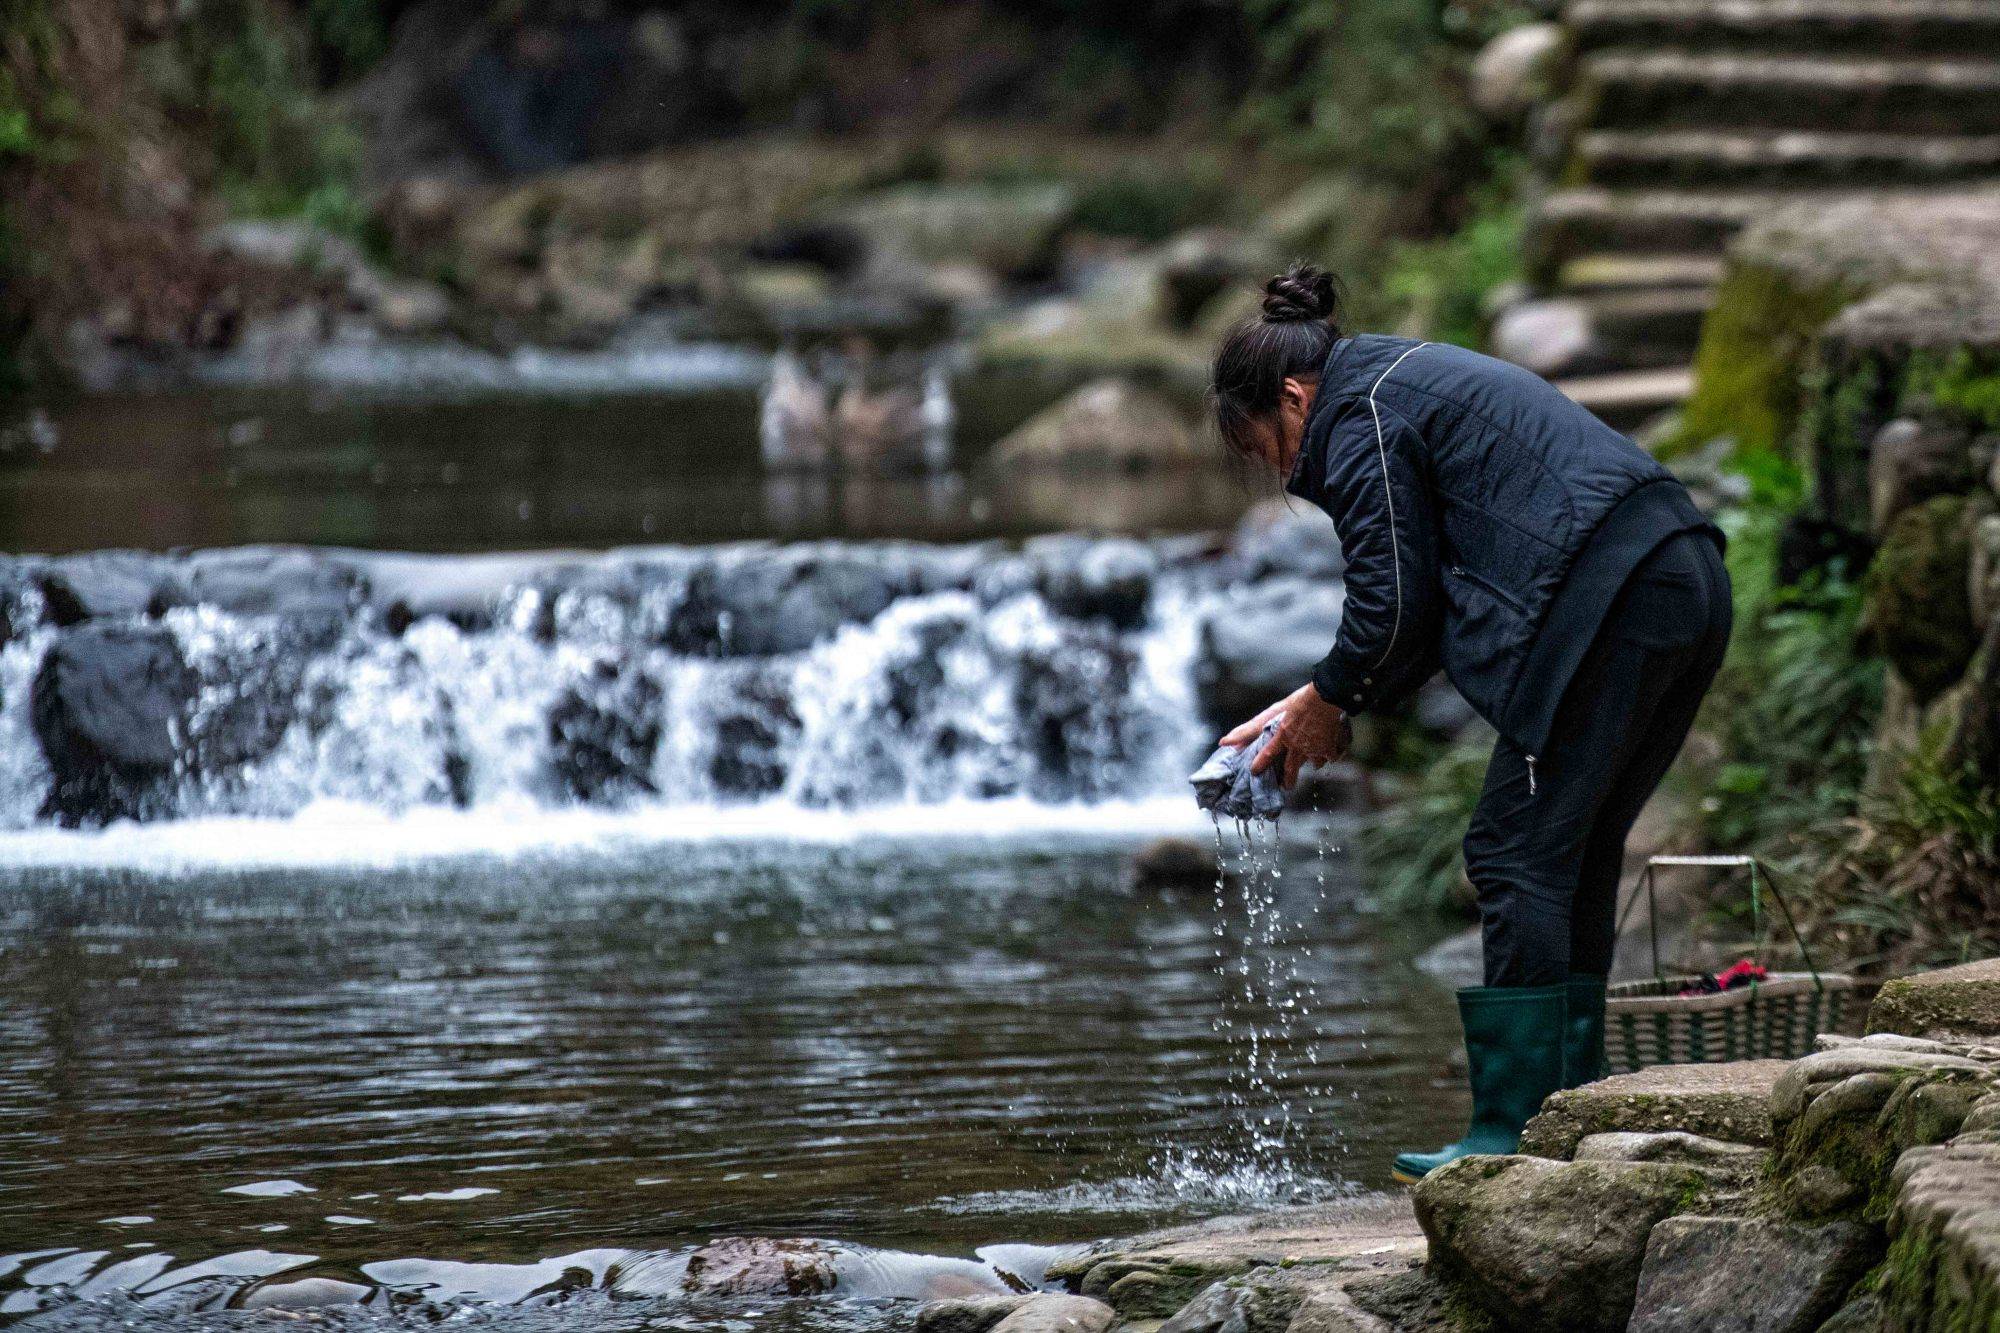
1225,785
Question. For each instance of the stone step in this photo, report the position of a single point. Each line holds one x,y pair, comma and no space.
1633,329
1730,1102
1627,272
1653,158
1593,219
1628,399
1941,27
1651,89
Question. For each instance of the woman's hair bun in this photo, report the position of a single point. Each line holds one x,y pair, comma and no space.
1301,292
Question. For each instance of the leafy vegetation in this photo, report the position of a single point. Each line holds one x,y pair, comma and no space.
1443,286
1412,846
1794,706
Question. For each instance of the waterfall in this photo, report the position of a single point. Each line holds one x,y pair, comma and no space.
837,677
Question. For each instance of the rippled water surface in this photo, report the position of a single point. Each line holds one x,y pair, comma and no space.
927,1045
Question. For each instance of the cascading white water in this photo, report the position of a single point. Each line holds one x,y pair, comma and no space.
1059,677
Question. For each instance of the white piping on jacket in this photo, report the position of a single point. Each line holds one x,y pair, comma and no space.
1389,495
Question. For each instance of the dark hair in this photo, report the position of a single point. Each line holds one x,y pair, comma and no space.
1289,340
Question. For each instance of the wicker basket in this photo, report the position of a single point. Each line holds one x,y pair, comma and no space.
1651,1023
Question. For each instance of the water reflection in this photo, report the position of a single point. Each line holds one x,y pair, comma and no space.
920,1048
222,466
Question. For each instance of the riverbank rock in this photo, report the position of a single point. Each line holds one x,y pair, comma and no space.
1325,1245
1754,1274
1059,1314
763,602
103,585
758,1266
110,703
1943,1267
1948,1004
1549,1247
1287,537
1730,1102
1009,230
973,1314
1108,423
1843,1116
1911,461
1919,612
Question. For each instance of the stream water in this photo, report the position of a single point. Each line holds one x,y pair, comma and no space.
388,1003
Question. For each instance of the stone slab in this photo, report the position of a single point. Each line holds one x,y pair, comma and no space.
1952,1003
1730,1102
1755,1275
1156,1274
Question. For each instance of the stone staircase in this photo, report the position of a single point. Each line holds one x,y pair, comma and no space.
1685,119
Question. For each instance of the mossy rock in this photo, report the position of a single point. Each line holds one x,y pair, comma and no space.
1844,1116
1727,1101
1943,1266
1756,345
1919,611
1961,1001
1550,1246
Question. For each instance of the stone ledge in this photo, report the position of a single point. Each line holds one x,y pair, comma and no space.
1730,1102
1951,1003
1155,1275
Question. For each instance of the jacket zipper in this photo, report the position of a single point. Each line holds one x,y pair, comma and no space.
1492,589
1531,774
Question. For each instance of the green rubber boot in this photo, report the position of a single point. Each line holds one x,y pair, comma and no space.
1514,1038
1583,1031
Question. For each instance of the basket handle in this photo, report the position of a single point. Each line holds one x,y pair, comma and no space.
1652,916
1805,954
1756,867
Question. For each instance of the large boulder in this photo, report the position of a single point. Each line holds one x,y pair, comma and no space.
763,602
1919,615
1756,1275
1730,1102
967,1314
1108,423
1101,579
1943,1268
1261,644
1949,1003
110,705
104,585
1550,1247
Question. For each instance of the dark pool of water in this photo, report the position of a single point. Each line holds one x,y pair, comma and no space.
218,467
926,1046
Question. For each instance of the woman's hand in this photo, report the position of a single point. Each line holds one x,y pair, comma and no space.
1249,731
1313,731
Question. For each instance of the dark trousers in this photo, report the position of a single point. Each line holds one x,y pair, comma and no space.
1546,849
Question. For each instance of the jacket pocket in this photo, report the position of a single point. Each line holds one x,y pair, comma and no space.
1490,588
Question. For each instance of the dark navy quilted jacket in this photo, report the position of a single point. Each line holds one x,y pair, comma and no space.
1478,508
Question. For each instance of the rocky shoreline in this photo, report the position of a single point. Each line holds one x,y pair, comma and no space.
1856,1189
